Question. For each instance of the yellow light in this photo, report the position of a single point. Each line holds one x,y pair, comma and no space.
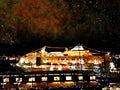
31,79
56,78
60,68
95,62
70,83
92,77
6,80
51,68
80,78
44,78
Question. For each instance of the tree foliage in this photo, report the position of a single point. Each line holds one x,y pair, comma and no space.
42,18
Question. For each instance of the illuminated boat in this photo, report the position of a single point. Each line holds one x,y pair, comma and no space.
76,58
76,67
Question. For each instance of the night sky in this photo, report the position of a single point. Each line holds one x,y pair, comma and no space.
26,25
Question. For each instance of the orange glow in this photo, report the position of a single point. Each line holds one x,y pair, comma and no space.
25,85
68,83
94,83
6,80
54,84
57,61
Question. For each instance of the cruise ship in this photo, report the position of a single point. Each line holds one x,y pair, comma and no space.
59,67
47,59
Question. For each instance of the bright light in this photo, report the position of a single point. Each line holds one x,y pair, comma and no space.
44,78
6,80
112,65
69,83
43,49
56,78
21,60
68,78
108,53
78,47
60,68
92,77
73,62
51,68
80,78
82,61
31,79
18,80
28,83
73,67
95,62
